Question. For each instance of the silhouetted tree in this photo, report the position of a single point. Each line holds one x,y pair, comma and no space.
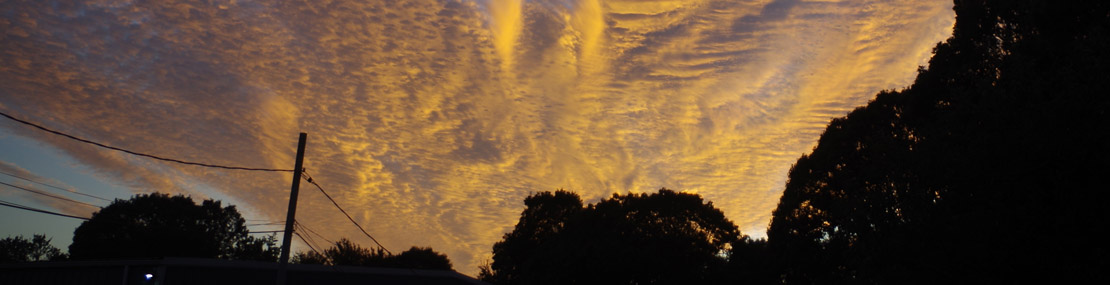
19,249
665,237
345,252
750,261
545,214
264,248
158,225
310,257
423,258
983,171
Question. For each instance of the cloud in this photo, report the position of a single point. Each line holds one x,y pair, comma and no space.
432,120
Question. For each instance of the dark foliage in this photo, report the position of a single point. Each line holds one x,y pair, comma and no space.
263,248
987,170
345,252
158,225
19,249
423,258
662,238
545,215
310,257
750,262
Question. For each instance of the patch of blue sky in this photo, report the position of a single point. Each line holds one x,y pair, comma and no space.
48,162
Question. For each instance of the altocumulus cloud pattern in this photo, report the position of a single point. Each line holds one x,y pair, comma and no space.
431,120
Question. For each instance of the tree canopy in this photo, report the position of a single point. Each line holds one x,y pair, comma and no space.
988,169
665,237
983,170
158,225
19,249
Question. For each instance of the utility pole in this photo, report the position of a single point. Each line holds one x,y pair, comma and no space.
290,216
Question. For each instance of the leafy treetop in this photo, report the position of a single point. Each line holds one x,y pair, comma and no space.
158,225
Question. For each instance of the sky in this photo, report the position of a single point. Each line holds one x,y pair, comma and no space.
431,120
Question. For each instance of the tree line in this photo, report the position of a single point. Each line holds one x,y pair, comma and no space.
990,168
987,169
158,225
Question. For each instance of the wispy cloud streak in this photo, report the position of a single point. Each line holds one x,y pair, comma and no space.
432,120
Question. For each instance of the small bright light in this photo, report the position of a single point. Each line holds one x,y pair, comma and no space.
149,276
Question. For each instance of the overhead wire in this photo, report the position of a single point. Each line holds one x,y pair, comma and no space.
22,207
310,247
265,224
56,187
306,242
298,223
50,195
312,244
308,178
139,153
263,220
28,208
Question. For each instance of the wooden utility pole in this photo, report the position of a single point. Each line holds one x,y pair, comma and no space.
290,216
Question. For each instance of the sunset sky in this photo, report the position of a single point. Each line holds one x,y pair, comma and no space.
431,120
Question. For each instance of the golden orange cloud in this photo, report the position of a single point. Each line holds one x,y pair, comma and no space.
431,120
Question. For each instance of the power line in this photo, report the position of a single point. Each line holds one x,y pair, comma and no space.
313,182
306,242
138,153
298,223
309,242
55,187
49,195
22,207
266,232
308,239
266,224
309,179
